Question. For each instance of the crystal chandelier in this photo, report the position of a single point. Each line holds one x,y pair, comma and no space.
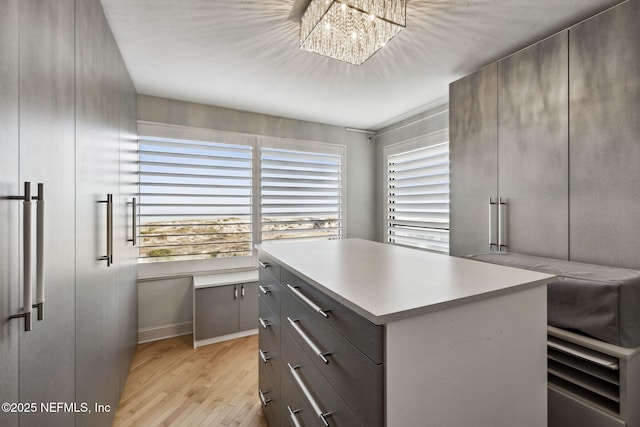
350,30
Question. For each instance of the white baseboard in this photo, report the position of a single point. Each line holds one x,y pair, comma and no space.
200,343
161,332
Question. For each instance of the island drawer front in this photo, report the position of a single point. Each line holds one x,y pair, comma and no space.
293,399
365,335
269,290
565,411
266,264
269,394
358,380
319,389
269,341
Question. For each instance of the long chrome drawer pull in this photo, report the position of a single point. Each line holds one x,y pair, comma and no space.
292,415
264,290
307,395
307,301
264,264
321,354
264,323
263,355
264,400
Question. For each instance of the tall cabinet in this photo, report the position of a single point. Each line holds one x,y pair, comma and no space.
67,120
509,151
562,126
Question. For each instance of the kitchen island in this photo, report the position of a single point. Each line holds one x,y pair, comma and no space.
363,333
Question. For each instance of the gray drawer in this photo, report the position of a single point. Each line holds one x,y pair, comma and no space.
269,290
358,380
294,401
269,392
318,388
365,335
565,411
269,341
267,264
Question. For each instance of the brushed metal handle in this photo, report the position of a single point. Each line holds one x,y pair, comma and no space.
263,399
133,221
493,204
314,405
40,283
316,350
264,264
109,256
235,292
294,418
263,355
26,257
242,291
307,301
502,225
263,322
264,290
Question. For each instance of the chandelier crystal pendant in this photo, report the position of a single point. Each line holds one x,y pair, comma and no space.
350,30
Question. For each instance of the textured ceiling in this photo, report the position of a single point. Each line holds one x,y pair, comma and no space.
244,55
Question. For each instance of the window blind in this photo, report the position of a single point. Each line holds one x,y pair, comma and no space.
418,198
301,194
195,199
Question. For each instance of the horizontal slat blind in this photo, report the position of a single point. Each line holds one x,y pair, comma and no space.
300,194
195,199
418,198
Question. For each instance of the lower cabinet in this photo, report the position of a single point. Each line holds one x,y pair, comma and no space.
314,371
224,312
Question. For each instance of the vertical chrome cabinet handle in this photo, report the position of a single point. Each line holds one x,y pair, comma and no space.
493,204
502,225
263,399
294,418
109,256
39,305
242,291
264,264
322,415
307,301
235,292
133,222
321,354
26,257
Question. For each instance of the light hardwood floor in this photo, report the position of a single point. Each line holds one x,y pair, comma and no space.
171,384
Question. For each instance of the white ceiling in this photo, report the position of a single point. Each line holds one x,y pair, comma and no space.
243,54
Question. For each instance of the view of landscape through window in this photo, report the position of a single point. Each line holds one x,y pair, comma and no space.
197,198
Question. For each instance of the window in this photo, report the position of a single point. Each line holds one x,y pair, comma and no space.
208,195
418,194
301,194
195,199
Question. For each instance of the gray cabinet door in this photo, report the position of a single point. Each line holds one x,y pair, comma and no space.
533,147
216,311
97,173
47,114
248,307
473,143
10,223
605,146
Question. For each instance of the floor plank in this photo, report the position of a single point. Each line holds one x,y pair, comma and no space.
171,384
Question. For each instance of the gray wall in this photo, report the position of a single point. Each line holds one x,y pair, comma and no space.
435,118
165,303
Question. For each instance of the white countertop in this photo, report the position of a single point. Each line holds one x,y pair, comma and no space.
386,283
222,279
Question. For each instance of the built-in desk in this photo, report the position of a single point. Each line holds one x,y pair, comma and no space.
456,342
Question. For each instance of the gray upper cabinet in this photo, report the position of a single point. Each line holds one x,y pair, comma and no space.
533,148
604,106
473,117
